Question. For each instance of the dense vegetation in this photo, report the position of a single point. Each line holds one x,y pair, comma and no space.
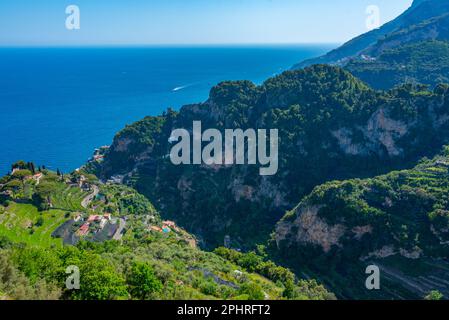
422,62
413,48
144,264
156,268
425,20
339,138
331,126
404,214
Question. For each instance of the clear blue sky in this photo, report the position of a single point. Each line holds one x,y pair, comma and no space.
113,22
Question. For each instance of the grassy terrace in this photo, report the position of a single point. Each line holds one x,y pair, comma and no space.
68,198
22,221
18,223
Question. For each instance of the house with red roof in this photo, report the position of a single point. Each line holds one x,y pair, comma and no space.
93,218
83,230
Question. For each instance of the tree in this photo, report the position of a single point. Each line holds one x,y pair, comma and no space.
14,284
250,261
289,291
99,280
253,291
13,185
5,242
434,295
17,183
31,167
19,165
142,281
22,174
37,263
39,222
42,196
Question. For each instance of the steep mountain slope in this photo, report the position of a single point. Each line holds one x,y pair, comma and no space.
331,126
424,20
410,49
399,221
143,262
422,62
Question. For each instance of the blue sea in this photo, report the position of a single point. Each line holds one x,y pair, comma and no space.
58,104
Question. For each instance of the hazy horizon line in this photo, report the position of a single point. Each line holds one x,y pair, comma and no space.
143,45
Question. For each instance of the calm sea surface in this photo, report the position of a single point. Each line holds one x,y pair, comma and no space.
57,105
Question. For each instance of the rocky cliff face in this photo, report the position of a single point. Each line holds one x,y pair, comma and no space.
308,228
394,221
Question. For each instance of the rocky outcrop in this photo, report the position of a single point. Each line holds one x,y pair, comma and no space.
390,250
394,221
121,145
384,252
380,132
309,228
331,126
383,130
344,137
360,231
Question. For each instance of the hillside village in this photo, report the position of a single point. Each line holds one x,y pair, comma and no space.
89,207
51,216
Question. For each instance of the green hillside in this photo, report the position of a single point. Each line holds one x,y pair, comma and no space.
331,126
422,62
425,20
399,221
409,49
39,212
20,223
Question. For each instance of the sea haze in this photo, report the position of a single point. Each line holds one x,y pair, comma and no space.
58,104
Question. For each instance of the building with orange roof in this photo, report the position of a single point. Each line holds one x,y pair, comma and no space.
156,228
94,218
83,230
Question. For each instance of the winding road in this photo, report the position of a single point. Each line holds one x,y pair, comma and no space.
88,199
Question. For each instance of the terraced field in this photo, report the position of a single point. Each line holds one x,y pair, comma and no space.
18,223
21,220
68,198
422,276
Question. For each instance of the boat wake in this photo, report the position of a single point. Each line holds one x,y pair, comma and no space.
182,87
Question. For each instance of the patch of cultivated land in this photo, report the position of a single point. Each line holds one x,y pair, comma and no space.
68,198
419,276
18,223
